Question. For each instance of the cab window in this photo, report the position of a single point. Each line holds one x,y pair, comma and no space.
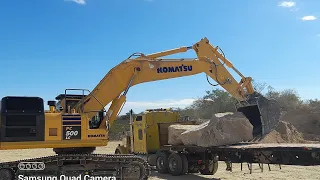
139,118
96,120
58,106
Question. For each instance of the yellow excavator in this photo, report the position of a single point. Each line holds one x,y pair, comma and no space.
78,123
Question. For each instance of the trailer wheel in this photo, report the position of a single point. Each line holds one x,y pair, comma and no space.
184,164
211,168
175,164
117,151
162,162
121,150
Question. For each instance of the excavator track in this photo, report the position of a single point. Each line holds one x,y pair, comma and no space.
94,166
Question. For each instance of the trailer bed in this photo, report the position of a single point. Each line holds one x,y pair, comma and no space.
284,153
272,145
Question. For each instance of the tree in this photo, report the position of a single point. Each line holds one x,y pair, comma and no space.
272,93
188,111
221,100
126,116
288,99
314,104
212,102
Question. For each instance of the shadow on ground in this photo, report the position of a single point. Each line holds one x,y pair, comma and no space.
155,174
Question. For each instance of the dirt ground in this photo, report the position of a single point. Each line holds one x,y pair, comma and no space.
286,172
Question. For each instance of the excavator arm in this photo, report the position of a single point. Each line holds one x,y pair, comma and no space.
146,68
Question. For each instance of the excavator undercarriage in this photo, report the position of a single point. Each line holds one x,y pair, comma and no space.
75,165
22,120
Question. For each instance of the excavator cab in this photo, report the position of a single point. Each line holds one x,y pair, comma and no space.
68,101
263,114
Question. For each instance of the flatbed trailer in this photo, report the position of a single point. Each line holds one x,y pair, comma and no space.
192,159
180,159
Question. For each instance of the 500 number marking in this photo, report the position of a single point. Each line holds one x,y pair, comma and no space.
71,133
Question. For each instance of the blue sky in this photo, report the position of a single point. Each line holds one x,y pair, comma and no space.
48,46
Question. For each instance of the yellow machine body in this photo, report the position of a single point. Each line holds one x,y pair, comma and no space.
145,129
62,130
150,131
54,138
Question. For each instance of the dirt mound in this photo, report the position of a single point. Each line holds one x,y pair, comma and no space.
284,133
306,122
294,127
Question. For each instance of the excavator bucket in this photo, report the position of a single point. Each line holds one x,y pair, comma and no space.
263,114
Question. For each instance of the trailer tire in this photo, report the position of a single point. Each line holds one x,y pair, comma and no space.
121,150
185,164
211,168
175,164
162,162
117,151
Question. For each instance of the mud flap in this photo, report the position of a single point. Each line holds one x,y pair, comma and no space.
263,114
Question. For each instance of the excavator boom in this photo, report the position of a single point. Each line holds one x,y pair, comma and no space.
262,113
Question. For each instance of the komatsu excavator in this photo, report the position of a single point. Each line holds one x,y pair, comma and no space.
78,123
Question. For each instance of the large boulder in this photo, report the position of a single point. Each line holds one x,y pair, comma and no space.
222,130
191,136
174,133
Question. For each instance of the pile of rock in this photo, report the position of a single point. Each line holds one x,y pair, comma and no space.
284,133
306,122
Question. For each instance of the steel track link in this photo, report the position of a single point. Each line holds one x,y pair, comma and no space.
121,166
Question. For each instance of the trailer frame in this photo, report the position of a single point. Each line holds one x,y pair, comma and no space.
198,158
